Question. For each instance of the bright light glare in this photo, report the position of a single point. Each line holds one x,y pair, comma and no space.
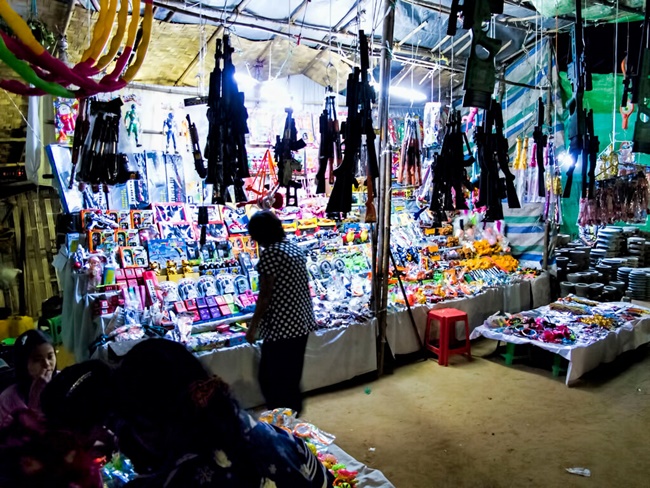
275,92
245,81
407,93
565,160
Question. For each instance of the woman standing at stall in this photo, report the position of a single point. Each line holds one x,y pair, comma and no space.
284,313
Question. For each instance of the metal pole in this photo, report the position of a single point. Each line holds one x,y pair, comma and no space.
385,177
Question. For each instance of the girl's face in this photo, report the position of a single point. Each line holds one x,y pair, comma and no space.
41,362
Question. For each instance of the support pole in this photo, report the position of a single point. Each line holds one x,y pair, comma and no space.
385,177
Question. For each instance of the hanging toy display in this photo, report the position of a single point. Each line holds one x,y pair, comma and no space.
450,170
101,161
359,150
410,164
493,158
227,116
43,73
618,199
169,130
329,154
287,164
541,140
132,122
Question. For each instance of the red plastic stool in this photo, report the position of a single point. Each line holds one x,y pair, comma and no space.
447,317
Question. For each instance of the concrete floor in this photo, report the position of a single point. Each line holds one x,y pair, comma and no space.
483,424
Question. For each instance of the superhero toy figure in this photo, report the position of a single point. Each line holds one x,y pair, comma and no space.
132,122
169,129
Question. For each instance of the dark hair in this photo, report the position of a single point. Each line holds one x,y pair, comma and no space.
80,397
265,228
23,349
169,405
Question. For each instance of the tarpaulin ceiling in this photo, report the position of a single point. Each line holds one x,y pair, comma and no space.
318,38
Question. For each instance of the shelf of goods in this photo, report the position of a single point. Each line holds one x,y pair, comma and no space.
145,273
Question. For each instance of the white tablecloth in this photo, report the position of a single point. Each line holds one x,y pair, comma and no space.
513,298
584,358
368,477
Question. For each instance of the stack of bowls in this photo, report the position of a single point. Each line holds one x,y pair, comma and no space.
580,258
637,289
567,288
582,289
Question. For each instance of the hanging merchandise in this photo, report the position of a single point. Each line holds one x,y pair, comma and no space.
520,166
553,203
227,117
287,164
621,199
199,163
583,143
410,165
25,55
637,89
493,156
450,170
480,73
541,140
101,161
358,149
329,154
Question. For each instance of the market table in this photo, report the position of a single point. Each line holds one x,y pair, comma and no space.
512,298
584,357
368,477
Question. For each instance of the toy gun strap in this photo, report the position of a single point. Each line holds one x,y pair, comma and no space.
196,148
81,128
540,141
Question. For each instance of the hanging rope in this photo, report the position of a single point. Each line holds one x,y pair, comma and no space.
614,73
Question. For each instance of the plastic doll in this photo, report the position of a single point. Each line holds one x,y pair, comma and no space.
132,122
95,272
169,129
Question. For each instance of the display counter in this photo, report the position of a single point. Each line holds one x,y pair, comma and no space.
589,345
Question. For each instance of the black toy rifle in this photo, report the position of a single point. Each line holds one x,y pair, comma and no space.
541,140
196,148
582,141
637,84
359,99
480,73
81,128
330,142
492,148
284,148
227,117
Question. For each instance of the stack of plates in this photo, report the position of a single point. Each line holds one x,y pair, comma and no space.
614,264
609,239
636,247
623,274
638,287
633,261
646,255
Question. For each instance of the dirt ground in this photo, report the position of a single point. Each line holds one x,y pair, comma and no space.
484,424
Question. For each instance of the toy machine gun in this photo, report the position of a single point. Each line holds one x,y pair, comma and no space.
287,164
492,150
101,162
637,89
583,143
450,171
329,152
81,128
541,140
359,140
226,146
480,73
199,163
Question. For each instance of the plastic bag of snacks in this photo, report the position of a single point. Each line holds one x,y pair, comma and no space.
286,419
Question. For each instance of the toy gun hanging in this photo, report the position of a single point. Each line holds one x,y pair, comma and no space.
492,150
359,99
582,141
540,143
82,125
450,170
480,72
287,164
637,88
410,168
330,142
227,116
101,163
196,148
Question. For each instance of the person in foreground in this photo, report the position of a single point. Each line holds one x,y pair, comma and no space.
181,429
34,364
284,314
